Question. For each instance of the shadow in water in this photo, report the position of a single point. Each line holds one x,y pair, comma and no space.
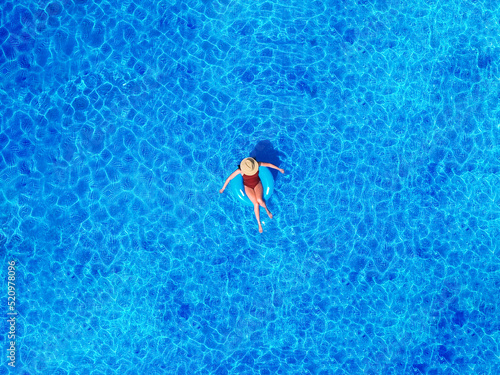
265,152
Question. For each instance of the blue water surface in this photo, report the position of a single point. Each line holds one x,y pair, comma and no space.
121,120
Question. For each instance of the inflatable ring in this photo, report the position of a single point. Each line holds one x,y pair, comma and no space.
238,190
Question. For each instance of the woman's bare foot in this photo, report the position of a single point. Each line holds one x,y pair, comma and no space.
269,214
260,229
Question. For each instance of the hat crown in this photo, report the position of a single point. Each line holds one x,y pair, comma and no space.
249,166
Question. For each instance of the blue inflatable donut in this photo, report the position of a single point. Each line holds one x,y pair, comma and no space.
238,190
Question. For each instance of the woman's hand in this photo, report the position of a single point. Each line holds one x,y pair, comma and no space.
221,191
282,170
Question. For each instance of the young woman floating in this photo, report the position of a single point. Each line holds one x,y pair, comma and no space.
249,169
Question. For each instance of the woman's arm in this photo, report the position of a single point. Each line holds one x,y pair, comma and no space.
233,175
269,165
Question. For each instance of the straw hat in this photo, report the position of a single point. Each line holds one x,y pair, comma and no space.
249,166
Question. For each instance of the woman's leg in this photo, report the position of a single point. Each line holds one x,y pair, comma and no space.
259,190
251,195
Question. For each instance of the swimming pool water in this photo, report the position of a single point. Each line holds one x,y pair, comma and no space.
121,120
